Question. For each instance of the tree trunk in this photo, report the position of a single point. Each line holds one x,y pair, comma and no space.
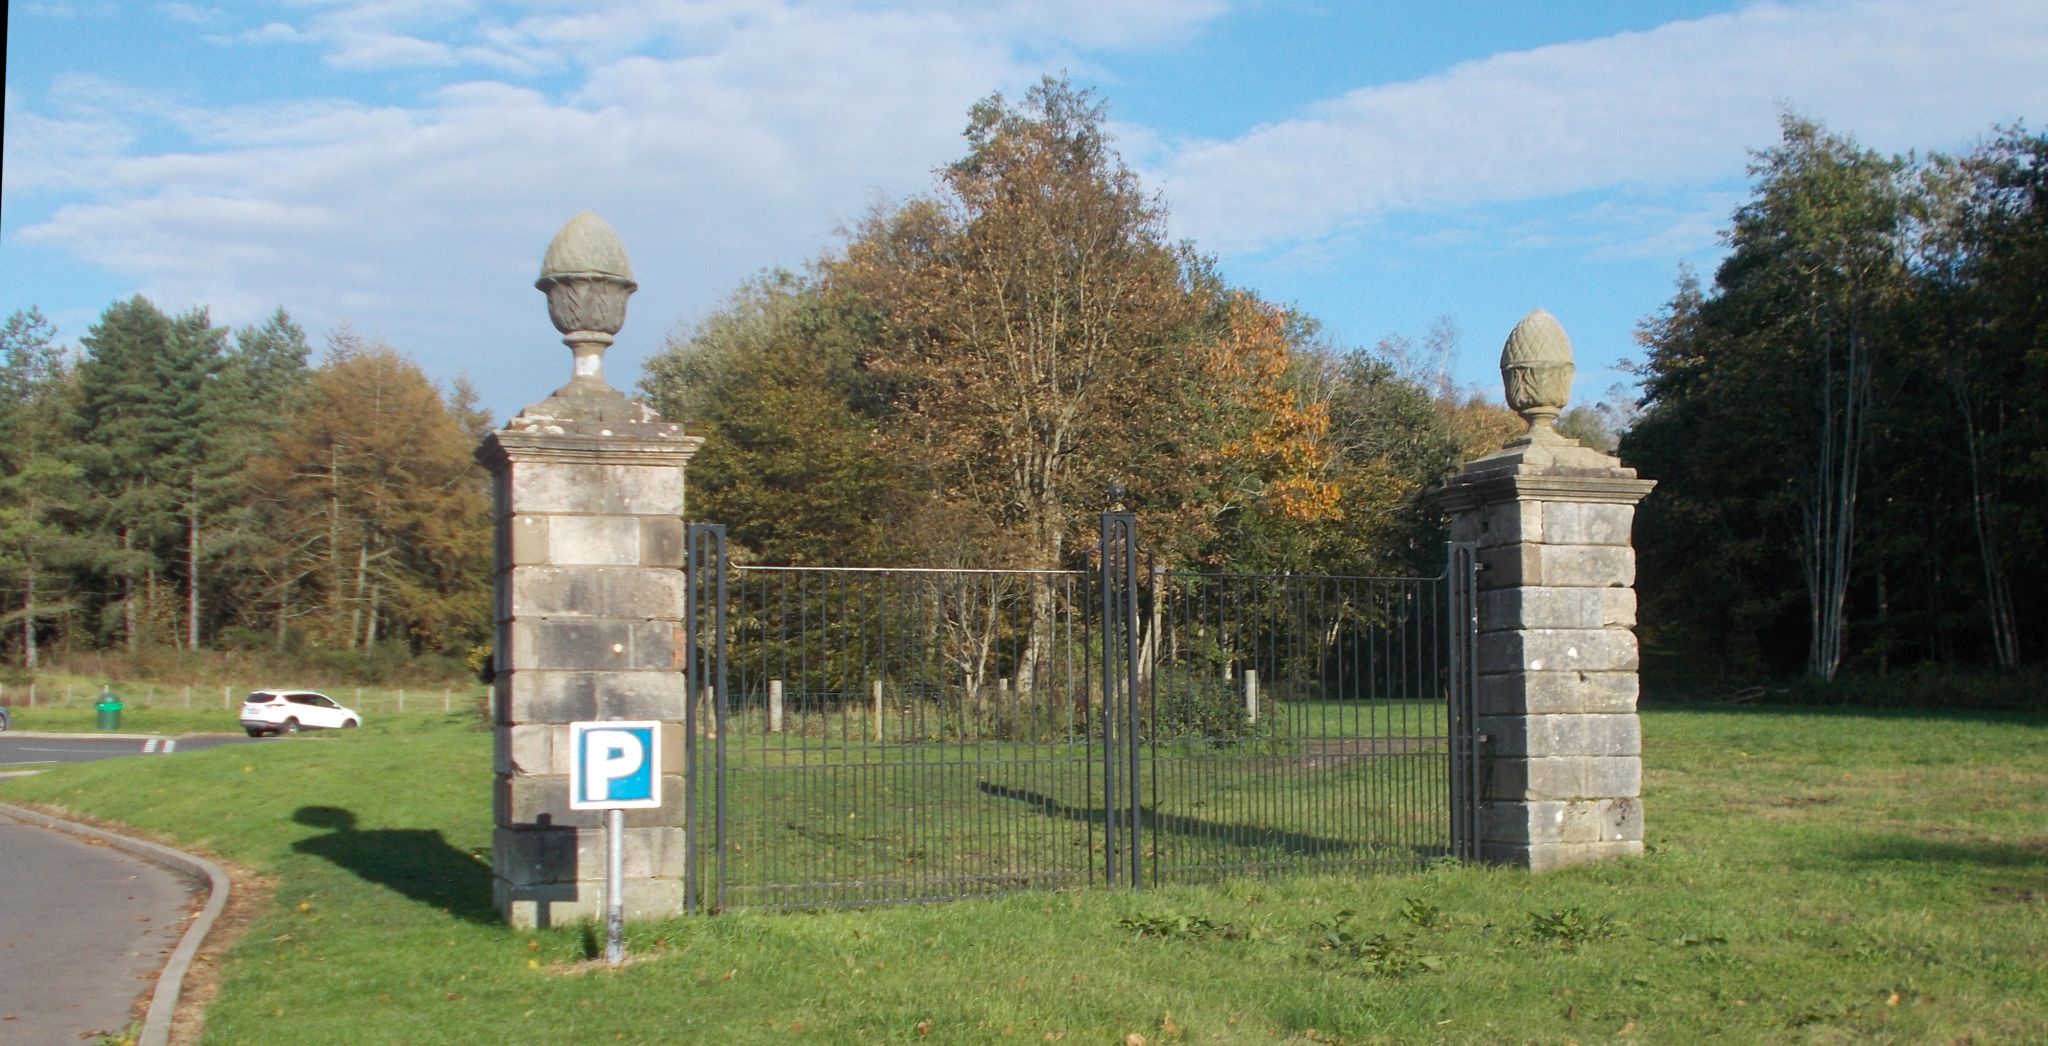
1830,505
192,571
370,621
355,621
335,585
28,620
1997,587
131,637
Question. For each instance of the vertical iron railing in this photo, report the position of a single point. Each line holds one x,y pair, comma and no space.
704,688
901,735
1120,674
1462,579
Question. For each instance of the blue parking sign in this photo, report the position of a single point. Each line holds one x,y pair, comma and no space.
614,766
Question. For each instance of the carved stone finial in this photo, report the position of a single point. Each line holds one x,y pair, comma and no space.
1536,371
587,279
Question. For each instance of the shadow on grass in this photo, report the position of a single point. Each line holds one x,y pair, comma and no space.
413,861
1929,851
1243,836
1996,717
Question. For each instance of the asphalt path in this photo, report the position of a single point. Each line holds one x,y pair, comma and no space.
20,751
84,930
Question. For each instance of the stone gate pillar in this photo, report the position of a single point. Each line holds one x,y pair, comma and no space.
1561,754
588,495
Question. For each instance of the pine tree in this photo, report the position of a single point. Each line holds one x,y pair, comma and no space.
38,487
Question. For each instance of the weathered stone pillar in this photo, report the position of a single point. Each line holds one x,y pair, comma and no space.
588,489
1561,759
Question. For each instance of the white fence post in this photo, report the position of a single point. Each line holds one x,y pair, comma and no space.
1251,695
877,689
775,706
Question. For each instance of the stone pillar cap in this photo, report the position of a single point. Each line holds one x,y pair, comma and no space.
586,246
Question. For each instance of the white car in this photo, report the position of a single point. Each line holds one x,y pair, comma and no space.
290,711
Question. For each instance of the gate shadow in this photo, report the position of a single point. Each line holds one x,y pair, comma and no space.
1242,836
416,862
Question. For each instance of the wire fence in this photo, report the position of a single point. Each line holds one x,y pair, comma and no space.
85,693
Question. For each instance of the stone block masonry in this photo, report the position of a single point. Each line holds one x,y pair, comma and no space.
588,605
1560,763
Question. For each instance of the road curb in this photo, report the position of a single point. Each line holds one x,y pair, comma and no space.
163,1001
85,737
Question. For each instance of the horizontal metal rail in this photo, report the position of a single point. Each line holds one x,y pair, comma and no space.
898,735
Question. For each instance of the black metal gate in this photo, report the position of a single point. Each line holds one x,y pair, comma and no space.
864,736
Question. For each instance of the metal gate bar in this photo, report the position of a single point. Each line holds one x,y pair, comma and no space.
1119,623
1462,577
880,736
704,686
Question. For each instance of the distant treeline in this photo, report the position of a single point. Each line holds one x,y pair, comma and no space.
1850,426
1847,427
973,379
172,484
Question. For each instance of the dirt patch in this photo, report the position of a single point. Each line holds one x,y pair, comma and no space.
1796,802
247,901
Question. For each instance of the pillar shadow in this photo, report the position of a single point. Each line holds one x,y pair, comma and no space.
1249,837
1977,852
416,862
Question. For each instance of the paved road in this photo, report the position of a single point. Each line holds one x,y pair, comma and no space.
84,929
21,751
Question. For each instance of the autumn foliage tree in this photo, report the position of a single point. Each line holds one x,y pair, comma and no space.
1030,316
967,382
388,519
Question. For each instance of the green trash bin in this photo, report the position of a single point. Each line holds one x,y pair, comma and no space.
110,712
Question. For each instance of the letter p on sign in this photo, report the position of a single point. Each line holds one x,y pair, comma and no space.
614,766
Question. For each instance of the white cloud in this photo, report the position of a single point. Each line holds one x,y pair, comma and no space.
726,135
192,13
1679,104
717,138
41,153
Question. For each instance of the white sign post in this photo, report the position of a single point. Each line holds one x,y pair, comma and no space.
615,767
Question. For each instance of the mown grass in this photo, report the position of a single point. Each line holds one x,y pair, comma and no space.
1814,876
171,720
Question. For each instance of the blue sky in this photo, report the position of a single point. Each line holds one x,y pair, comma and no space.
400,165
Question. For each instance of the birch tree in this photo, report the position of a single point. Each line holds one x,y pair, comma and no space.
1035,323
1816,271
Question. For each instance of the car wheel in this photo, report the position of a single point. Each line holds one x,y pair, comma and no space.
291,726
253,732
349,724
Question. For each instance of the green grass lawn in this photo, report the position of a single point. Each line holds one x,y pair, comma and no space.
1813,877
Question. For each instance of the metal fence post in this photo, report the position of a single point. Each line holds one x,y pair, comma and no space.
704,668
1461,579
1119,545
